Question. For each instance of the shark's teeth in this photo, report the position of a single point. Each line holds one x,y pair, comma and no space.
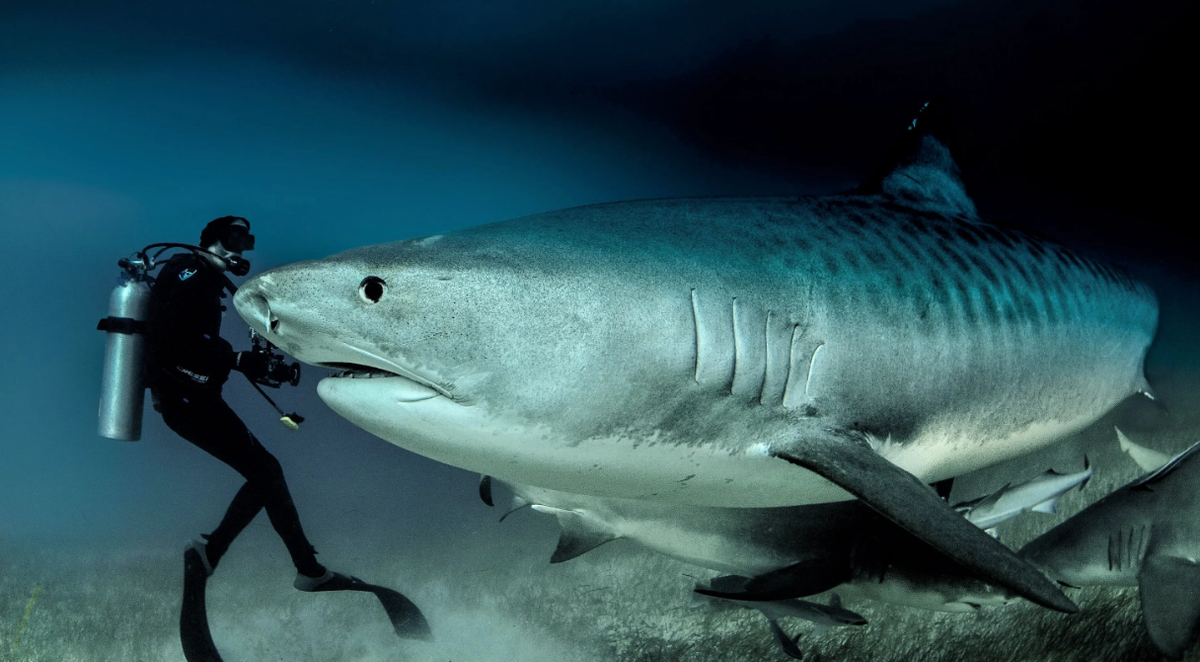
354,371
364,374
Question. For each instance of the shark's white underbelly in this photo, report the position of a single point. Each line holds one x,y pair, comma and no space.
644,468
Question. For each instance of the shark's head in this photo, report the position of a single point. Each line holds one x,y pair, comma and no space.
1089,550
486,352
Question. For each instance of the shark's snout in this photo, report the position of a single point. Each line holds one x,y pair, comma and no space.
254,306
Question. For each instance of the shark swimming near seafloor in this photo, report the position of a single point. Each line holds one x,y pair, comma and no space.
822,616
845,545
748,352
1146,534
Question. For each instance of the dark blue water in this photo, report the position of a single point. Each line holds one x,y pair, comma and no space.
335,125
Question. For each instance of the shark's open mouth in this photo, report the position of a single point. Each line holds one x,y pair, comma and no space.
412,387
358,371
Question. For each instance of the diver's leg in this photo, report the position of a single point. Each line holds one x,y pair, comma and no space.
212,426
246,505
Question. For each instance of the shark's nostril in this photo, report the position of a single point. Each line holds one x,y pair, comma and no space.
253,306
274,324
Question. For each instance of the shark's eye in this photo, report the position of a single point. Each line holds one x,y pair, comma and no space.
371,289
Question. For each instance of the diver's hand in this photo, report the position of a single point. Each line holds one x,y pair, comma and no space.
252,364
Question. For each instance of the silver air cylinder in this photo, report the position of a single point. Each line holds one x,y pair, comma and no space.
123,388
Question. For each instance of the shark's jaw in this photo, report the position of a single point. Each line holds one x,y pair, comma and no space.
356,363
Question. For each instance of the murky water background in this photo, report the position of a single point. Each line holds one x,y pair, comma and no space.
335,125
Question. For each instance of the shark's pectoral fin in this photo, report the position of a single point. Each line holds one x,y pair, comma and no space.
1170,590
794,581
579,533
787,643
847,460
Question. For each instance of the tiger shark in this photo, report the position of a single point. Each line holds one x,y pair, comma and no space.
738,352
1146,534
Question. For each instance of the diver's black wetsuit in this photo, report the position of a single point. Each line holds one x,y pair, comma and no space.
188,364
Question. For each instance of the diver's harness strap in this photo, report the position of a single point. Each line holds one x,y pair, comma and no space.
126,325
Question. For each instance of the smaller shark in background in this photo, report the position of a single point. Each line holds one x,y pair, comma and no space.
1039,495
822,616
1145,534
794,551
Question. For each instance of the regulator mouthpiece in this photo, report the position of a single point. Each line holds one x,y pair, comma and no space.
238,266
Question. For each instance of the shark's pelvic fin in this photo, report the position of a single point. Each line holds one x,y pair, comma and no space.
1049,506
1147,481
920,171
1170,591
579,533
1147,460
846,459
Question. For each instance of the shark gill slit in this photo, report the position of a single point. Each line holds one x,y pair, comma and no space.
787,380
812,362
696,325
762,388
1115,545
736,344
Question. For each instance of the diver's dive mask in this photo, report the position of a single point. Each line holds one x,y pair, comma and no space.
237,238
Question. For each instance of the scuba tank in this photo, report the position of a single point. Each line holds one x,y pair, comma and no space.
123,386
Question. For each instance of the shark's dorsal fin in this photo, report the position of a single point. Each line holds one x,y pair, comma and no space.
920,170
1170,591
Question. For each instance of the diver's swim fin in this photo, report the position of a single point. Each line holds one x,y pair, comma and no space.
845,458
193,617
407,620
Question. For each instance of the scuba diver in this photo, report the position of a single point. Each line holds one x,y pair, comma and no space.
187,363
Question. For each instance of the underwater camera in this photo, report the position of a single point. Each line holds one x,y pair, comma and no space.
279,371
